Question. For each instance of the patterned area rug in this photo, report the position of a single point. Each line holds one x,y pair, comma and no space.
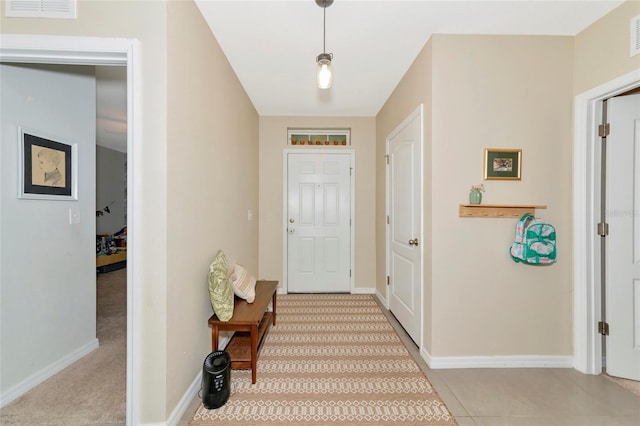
330,359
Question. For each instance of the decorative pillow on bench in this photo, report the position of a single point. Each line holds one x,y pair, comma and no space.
243,283
220,290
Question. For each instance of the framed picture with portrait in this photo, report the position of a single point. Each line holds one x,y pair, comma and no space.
48,167
502,164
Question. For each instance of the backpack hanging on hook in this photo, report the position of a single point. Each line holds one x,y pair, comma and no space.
535,242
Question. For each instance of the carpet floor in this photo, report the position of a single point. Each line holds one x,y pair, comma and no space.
330,359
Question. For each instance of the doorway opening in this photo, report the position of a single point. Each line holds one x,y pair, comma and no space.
101,52
586,204
620,241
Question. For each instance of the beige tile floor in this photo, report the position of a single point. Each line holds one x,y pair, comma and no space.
523,396
529,396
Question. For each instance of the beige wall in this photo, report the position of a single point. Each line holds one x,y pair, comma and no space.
212,181
196,174
490,91
273,140
145,21
500,92
602,50
478,92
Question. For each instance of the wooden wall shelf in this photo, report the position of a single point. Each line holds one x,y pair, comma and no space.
509,211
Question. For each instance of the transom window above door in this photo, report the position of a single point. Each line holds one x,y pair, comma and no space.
329,138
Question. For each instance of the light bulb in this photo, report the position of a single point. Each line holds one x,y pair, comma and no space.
324,74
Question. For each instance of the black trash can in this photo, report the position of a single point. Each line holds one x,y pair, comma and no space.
216,379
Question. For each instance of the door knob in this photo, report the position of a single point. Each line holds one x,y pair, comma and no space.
413,242
291,230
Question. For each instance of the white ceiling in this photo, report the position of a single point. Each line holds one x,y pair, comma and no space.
111,107
272,46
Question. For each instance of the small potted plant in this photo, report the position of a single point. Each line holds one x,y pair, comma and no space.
475,195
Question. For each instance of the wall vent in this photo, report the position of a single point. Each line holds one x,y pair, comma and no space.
61,9
635,35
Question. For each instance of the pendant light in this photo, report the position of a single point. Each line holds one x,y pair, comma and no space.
324,59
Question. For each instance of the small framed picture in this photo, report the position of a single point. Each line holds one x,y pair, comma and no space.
502,164
48,167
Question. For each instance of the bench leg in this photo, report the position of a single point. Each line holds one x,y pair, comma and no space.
254,352
274,300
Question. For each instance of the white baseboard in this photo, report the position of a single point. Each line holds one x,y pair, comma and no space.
185,401
194,388
363,291
510,361
38,377
353,291
225,338
382,298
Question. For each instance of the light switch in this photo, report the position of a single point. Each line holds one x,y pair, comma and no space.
74,216
249,214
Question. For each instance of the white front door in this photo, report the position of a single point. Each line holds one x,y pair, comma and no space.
318,222
404,229
623,242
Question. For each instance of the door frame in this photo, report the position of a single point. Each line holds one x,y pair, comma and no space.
587,284
96,51
285,240
419,111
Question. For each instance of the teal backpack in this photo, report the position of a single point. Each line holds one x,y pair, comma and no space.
535,241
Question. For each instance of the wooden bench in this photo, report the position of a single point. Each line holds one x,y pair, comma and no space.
250,321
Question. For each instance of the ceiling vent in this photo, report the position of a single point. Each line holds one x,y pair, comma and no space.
61,9
635,35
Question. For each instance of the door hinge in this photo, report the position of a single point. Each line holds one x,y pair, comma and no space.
350,170
603,328
349,272
603,130
388,279
387,219
603,229
387,157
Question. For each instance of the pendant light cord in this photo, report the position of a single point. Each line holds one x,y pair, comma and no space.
324,27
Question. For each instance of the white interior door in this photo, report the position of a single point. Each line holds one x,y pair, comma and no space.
623,242
404,229
319,222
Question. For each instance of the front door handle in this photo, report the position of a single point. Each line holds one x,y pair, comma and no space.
413,242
